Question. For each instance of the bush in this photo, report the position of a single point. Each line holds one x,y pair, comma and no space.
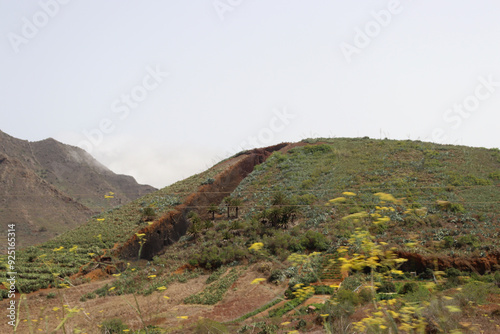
113,326
448,242
496,278
408,287
148,213
468,240
314,241
387,287
277,275
348,296
474,292
427,274
365,295
351,282
453,276
338,313
494,176
86,296
457,208
421,294
208,181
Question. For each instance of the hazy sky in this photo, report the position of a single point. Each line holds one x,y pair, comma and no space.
161,90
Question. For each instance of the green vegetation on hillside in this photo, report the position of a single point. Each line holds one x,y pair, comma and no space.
46,264
305,177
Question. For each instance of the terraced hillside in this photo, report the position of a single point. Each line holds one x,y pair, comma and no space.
159,218
248,243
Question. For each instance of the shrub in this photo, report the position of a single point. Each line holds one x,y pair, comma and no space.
278,242
457,208
264,267
427,274
474,292
306,199
448,241
468,240
313,240
494,176
148,213
338,314
453,276
89,295
408,287
208,181
365,295
351,282
421,294
496,278
277,276
348,296
113,326
387,287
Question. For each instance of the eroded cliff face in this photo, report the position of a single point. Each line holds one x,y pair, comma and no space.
169,228
419,263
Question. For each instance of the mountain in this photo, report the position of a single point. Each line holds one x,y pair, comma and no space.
315,236
47,187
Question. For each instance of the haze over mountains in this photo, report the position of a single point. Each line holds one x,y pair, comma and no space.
47,187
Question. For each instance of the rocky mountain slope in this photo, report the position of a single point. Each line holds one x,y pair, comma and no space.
47,187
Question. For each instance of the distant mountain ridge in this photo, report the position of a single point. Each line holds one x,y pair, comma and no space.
47,187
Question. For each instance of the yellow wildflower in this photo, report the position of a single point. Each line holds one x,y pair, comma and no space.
337,200
453,309
257,246
258,280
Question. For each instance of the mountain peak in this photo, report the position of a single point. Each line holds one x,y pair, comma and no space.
55,184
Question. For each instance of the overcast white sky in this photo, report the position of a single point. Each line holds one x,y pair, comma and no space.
161,90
